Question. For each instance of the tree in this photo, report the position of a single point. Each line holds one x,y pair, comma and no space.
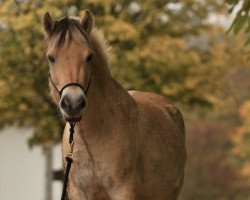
162,46
131,27
210,173
242,18
241,139
25,100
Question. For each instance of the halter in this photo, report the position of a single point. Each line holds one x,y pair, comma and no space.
69,158
70,84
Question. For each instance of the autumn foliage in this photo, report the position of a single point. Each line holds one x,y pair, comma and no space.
210,173
163,46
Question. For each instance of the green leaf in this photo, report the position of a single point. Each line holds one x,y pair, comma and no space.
247,41
232,1
239,22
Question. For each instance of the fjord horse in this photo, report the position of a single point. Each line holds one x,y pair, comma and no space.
128,145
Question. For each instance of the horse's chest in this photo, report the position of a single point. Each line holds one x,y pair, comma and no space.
88,171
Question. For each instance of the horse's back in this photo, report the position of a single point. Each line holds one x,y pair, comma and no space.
152,99
161,141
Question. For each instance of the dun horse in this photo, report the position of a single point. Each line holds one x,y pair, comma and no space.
128,145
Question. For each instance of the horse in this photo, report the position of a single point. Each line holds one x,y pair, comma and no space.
128,145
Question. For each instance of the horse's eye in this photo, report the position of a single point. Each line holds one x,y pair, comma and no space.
89,58
51,59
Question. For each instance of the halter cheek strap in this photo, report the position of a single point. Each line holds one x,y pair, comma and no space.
71,84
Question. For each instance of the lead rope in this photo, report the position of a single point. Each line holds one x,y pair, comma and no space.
69,158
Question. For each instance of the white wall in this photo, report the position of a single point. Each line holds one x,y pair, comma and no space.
22,170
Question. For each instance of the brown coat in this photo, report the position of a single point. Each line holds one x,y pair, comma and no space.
128,145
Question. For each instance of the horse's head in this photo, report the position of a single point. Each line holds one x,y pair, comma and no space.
70,57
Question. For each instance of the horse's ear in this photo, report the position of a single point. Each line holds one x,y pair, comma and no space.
48,23
87,21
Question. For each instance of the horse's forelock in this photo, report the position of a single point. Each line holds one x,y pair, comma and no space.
65,30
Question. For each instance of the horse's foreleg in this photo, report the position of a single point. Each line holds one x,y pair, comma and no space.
124,192
76,194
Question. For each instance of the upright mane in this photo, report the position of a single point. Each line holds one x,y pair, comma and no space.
68,29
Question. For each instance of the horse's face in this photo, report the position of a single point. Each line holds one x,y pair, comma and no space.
70,62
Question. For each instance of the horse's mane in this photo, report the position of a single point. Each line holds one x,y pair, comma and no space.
68,29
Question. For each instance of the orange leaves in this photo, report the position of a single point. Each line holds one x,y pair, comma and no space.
244,111
241,139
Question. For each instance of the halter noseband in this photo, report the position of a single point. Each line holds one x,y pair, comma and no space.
70,84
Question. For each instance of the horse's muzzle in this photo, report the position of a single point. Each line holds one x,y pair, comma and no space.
72,108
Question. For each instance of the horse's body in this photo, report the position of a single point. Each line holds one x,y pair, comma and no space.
128,145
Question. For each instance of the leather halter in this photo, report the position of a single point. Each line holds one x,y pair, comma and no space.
70,84
69,158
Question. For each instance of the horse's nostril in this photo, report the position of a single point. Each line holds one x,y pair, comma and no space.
65,103
72,106
82,103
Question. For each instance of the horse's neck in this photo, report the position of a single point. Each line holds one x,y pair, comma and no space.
104,98
105,95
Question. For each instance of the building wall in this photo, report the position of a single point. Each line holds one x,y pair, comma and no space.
22,170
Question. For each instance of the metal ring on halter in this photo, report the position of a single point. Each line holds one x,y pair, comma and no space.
70,84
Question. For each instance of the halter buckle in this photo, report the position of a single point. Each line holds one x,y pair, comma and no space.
70,157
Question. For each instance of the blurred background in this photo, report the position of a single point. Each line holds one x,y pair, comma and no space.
194,52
